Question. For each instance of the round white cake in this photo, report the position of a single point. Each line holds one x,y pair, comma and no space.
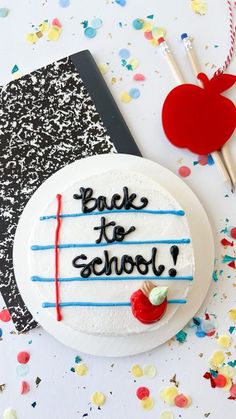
98,240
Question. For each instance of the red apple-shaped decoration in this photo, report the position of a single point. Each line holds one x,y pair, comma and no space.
200,118
144,310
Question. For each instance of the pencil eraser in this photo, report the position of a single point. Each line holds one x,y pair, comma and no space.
184,35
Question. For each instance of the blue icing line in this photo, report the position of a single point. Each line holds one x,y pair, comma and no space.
114,278
81,214
80,245
112,304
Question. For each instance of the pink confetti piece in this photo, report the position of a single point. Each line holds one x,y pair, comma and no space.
23,357
24,387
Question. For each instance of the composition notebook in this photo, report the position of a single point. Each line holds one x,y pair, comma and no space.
48,119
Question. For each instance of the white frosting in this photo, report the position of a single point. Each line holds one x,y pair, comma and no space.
110,320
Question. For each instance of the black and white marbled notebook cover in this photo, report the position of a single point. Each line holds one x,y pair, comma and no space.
48,119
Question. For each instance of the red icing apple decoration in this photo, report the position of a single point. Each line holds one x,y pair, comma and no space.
143,309
200,118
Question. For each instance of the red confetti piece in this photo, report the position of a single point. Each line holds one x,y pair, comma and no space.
139,77
207,317
208,376
184,171
5,315
233,391
56,22
24,387
142,392
203,160
23,357
233,233
220,381
226,243
148,35
181,400
232,264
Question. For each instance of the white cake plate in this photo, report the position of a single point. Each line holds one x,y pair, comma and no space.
203,252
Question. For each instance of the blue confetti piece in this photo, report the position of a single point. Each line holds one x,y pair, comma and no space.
15,69
181,336
214,276
1,332
232,363
77,359
200,334
123,62
213,373
124,53
210,160
4,12
121,2
84,24
22,370
138,24
96,23
90,32
134,93
150,16
64,3
72,369
231,329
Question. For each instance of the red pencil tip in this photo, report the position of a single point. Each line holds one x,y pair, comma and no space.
161,40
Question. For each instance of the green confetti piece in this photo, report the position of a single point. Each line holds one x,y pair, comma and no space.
181,336
214,276
231,329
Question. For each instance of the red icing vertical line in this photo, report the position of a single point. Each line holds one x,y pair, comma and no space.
57,236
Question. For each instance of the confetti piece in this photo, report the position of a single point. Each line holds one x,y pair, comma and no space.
136,371
133,63
124,53
228,384
103,67
181,336
64,3
81,369
77,359
139,77
125,97
138,24
56,22
98,398
4,12
168,394
181,400
1,332
215,276
34,404
148,35
184,171
5,315
147,26
203,160
158,32
231,329
217,358
149,371
220,381
147,403
9,414
24,387
37,381
96,23
142,392
31,38
90,32
166,415
199,7
233,233
2,387
121,2
54,33
22,370
224,341
15,69
233,391
23,357
134,93
44,26
226,243
227,371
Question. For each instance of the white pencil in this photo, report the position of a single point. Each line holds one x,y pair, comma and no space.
227,168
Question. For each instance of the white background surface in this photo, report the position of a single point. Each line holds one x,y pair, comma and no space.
62,394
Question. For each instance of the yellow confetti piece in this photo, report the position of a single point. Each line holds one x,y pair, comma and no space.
32,38
39,34
149,371
154,42
54,33
98,398
44,27
103,67
168,394
224,341
217,358
147,403
189,401
232,315
199,7
9,414
134,62
166,415
227,371
158,32
228,384
81,369
136,371
126,98
147,26
16,75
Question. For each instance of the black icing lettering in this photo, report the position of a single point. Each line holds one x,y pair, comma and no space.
119,232
86,197
172,272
